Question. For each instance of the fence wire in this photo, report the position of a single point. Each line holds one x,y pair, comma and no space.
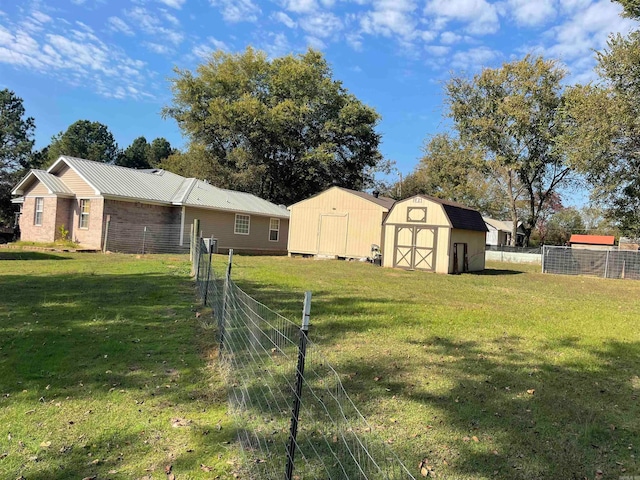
143,239
259,354
614,263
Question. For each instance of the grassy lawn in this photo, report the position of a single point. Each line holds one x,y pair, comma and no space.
511,374
104,370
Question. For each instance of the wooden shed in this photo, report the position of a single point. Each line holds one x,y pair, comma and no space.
337,223
431,234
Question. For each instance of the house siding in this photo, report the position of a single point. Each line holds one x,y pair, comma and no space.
220,225
75,182
335,223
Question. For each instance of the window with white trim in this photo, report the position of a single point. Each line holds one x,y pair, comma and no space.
274,229
39,210
242,224
85,209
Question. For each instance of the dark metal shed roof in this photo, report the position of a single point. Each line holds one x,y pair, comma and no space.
460,216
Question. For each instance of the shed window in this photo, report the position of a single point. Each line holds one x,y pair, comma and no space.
242,224
274,229
37,217
85,208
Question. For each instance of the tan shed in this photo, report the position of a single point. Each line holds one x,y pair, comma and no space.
431,234
337,223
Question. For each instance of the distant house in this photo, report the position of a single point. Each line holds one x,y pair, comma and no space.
592,242
98,203
431,234
337,223
500,232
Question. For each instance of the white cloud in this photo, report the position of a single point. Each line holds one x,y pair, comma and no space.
177,4
157,48
237,10
41,17
285,19
449,38
76,56
391,17
277,45
321,25
474,58
152,25
301,6
205,49
116,24
530,13
481,17
315,43
437,50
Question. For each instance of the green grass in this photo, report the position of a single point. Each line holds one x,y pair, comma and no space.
509,374
543,371
105,370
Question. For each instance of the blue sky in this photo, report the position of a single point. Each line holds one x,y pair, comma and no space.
109,60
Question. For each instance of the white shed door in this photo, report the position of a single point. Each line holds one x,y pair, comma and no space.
332,237
415,247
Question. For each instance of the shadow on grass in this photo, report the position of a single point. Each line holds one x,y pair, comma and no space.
495,271
24,255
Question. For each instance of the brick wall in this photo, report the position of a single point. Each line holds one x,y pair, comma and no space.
64,216
38,233
90,237
136,213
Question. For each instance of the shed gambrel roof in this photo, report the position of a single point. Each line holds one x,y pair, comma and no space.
155,186
460,216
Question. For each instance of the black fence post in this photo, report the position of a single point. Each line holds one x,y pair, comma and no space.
225,301
295,414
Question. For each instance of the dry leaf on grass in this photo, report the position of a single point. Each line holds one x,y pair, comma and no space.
205,468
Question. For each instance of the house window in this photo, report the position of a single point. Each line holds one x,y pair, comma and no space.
37,218
242,224
85,208
274,229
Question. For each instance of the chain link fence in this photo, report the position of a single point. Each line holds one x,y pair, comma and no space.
143,239
613,263
294,418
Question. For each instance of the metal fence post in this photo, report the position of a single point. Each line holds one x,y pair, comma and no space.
225,301
606,265
206,285
542,259
295,414
106,234
144,238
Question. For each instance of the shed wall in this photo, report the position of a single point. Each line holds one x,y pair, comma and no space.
336,223
409,212
476,242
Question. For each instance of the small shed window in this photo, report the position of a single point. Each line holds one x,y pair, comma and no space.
85,208
37,217
242,224
417,214
274,229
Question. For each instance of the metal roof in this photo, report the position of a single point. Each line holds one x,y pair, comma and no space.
203,195
51,182
503,225
593,239
161,186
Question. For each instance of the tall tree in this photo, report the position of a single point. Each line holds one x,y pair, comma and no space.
631,8
454,171
135,155
159,150
514,114
282,129
562,225
85,139
16,144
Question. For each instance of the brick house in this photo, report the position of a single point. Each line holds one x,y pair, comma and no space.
108,207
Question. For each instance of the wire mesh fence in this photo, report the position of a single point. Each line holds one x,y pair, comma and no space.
293,415
142,239
611,263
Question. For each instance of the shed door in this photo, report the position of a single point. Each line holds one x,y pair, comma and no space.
415,247
332,236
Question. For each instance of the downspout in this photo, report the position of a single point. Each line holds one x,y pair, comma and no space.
182,215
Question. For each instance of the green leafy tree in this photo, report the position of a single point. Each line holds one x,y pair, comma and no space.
282,129
135,155
514,115
85,139
16,144
159,150
604,137
562,225
631,8
454,171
